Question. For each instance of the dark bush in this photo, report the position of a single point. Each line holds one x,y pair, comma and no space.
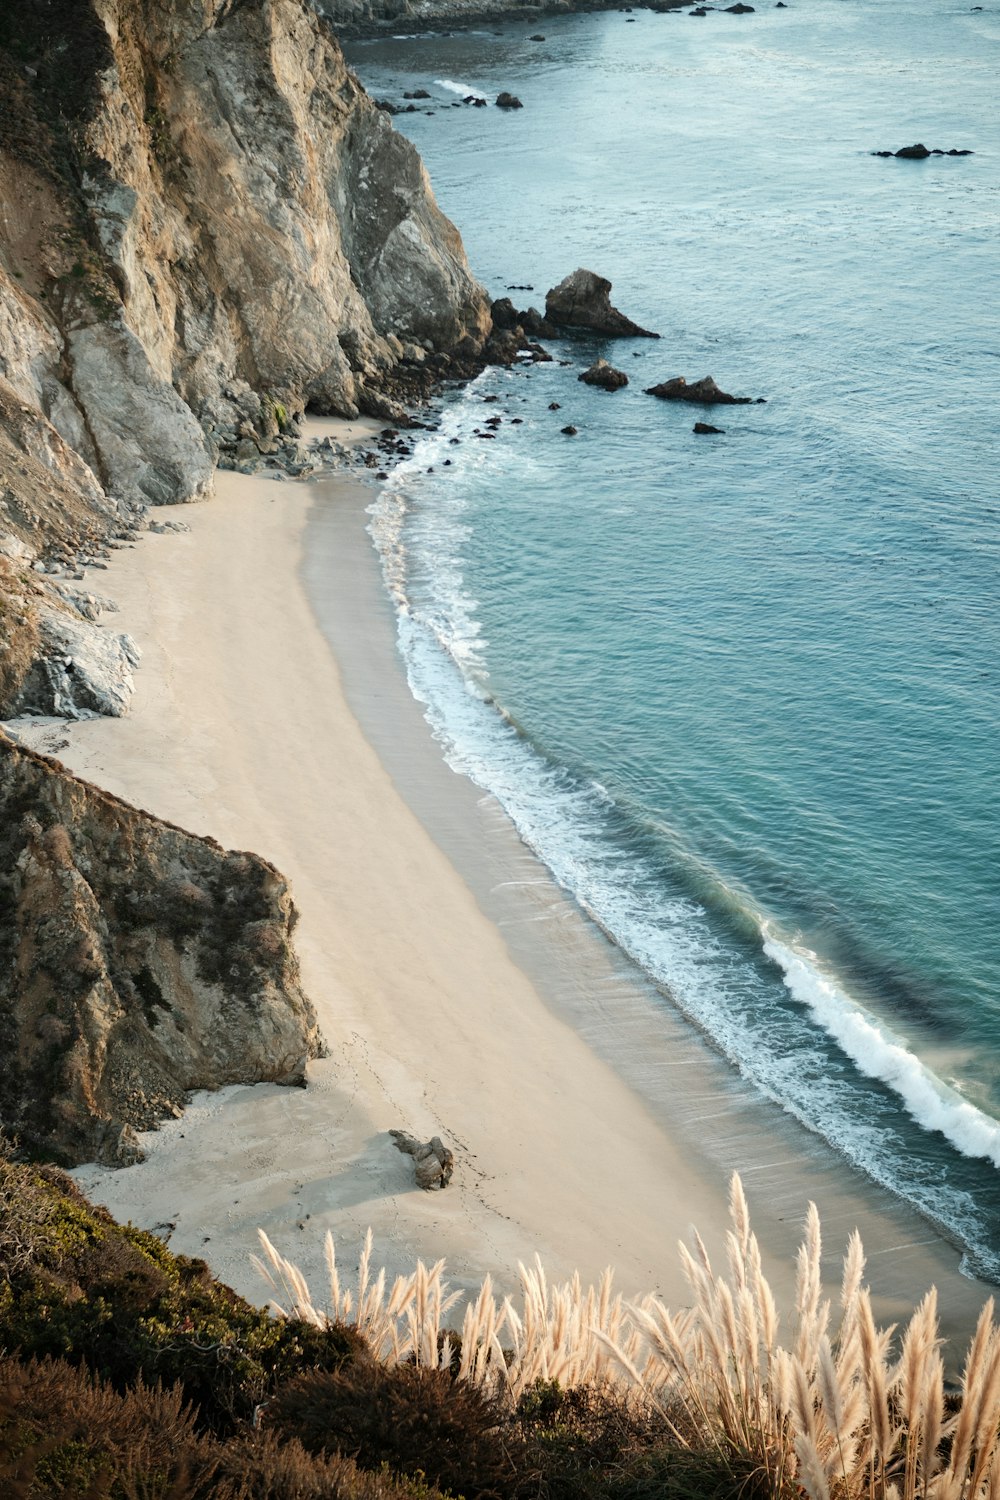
77,1286
418,1422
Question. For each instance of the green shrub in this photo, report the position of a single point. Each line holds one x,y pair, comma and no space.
75,1285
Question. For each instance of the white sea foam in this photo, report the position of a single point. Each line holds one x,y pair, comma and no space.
878,1054
462,89
785,1050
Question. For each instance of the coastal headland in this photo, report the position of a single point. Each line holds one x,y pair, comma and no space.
181,288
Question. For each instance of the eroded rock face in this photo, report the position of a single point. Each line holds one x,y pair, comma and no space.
207,225
583,300
137,962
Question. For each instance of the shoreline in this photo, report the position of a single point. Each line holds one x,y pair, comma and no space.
429,935
461,18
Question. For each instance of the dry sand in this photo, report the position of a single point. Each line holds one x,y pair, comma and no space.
589,1123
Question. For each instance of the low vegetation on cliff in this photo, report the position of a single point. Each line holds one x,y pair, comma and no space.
137,962
129,1372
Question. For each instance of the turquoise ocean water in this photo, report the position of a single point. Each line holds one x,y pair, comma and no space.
741,693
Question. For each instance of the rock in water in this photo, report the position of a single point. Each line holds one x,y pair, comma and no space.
508,101
920,152
137,962
704,391
583,300
605,375
433,1163
705,429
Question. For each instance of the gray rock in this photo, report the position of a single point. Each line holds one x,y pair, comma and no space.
434,1164
84,670
147,438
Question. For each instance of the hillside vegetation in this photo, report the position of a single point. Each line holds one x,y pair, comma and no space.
127,1371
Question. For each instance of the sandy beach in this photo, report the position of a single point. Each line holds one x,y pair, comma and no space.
459,991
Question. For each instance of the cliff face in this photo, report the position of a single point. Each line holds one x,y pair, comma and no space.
136,962
206,224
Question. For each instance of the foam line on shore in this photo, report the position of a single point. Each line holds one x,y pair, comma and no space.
497,1017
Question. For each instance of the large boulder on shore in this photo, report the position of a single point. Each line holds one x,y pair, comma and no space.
583,300
605,375
704,391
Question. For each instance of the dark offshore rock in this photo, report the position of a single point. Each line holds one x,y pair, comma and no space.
604,375
705,429
920,152
137,962
535,326
508,101
739,10
570,430
704,391
433,1163
582,300
504,313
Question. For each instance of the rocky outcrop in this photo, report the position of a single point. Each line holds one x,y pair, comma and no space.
704,391
433,1163
207,226
603,374
137,962
583,301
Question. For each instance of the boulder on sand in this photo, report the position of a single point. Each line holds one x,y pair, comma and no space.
433,1162
582,300
604,375
704,391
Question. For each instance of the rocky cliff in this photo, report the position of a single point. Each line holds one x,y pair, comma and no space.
137,962
205,225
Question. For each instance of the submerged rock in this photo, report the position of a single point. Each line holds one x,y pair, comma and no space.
583,300
706,429
920,152
605,375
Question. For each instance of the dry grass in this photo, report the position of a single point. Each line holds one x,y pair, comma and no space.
837,1408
